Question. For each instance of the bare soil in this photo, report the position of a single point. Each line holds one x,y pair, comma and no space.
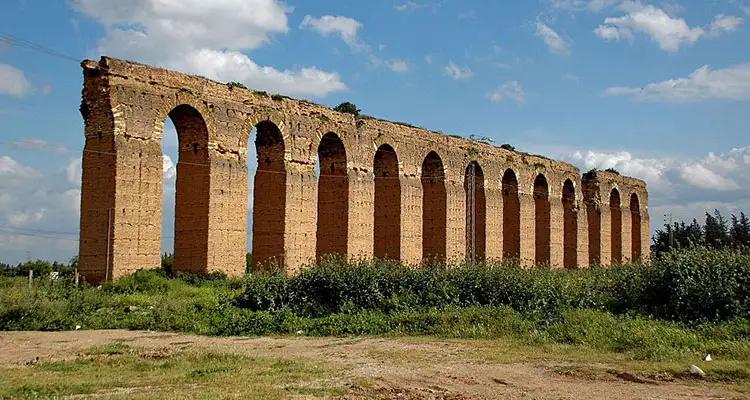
403,368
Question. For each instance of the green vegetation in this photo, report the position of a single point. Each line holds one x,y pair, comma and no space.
684,304
347,108
137,373
612,170
716,232
232,85
507,146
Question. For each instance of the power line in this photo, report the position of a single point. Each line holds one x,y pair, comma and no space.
27,44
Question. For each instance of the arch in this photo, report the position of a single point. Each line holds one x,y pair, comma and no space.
511,216
616,227
192,190
541,220
269,195
387,218
333,198
635,228
434,208
570,225
476,212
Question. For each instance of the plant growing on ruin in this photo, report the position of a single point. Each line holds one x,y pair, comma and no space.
232,85
508,147
347,108
612,170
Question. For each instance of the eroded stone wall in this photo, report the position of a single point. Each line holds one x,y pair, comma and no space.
321,186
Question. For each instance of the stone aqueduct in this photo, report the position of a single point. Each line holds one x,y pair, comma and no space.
381,189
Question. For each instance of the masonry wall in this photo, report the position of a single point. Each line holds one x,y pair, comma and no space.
421,206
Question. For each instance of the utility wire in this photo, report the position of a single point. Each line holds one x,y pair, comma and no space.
27,44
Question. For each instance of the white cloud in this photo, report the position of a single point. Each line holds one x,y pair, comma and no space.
35,144
73,171
582,5
722,172
651,170
205,38
457,72
170,171
13,81
724,23
511,90
11,170
732,83
555,43
397,65
410,6
668,31
346,28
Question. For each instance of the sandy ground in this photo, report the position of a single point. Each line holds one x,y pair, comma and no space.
391,367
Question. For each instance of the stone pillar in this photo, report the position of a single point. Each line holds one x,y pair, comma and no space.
227,214
361,213
557,228
606,235
645,232
528,226
411,219
301,214
583,234
626,238
494,217
455,247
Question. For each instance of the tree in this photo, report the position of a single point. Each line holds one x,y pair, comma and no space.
348,108
739,232
715,231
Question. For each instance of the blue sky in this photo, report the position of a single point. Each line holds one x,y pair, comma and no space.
657,89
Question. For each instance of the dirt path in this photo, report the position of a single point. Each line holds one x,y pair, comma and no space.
390,367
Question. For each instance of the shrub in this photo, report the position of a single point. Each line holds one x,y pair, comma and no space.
347,108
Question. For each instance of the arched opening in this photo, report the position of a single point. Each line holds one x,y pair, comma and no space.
542,220
434,202
476,212
635,227
269,196
387,221
570,225
616,227
333,197
593,220
511,216
191,190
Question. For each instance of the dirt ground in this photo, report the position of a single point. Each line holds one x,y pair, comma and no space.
403,368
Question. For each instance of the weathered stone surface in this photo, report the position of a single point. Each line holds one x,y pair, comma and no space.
382,189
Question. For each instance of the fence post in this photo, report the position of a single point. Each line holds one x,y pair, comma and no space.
76,276
31,277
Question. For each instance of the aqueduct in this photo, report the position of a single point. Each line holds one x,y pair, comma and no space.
380,189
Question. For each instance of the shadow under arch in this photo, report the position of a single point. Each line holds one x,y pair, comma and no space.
192,190
635,228
434,208
615,213
269,196
570,225
333,198
387,207
541,220
476,212
511,216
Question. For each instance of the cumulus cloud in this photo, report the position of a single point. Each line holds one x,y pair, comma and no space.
344,27
732,83
185,35
511,90
555,43
457,72
651,170
669,32
13,81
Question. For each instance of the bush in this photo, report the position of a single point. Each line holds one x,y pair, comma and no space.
347,108
690,285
